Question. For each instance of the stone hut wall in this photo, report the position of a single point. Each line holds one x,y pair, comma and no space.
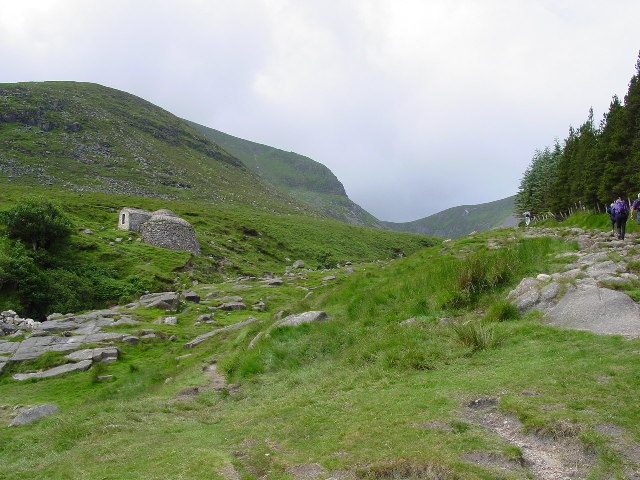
132,219
171,232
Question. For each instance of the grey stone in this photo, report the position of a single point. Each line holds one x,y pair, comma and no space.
33,347
274,282
173,338
191,296
201,338
527,300
608,267
229,306
543,277
103,378
8,347
349,270
328,278
259,306
131,340
599,310
205,317
526,285
52,372
164,300
592,258
298,264
408,321
104,355
30,415
300,318
550,291
254,340
212,295
231,298
171,320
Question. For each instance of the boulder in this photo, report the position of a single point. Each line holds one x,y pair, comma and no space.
300,318
274,282
599,310
30,415
103,355
229,306
191,296
349,270
164,300
52,372
298,264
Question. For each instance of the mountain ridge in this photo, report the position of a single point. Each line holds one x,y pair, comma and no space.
458,221
301,177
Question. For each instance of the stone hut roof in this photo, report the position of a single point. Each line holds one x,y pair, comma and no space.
165,212
163,217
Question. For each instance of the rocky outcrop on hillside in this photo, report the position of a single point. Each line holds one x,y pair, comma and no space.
589,293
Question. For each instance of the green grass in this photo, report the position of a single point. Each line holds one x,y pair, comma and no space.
349,393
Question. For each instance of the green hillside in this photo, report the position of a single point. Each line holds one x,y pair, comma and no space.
301,177
459,221
88,138
363,395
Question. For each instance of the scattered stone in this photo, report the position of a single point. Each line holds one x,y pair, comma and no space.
201,338
328,278
232,306
180,357
543,277
298,264
164,300
300,318
408,321
275,282
205,317
30,415
212,295
103,355
131,340
308,295
173,338
483,402
260,306
191,296
349,270
254,340
231,298
55,371
103,378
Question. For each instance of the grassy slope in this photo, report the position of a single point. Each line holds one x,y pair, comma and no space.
459,221
86,137
235,240
301,177
353,393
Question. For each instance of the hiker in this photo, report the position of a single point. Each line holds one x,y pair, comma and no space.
635,207
612,216
527,218
621,209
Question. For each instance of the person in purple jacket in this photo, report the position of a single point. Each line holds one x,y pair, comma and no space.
635,207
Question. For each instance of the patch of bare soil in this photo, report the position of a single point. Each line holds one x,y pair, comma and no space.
547,458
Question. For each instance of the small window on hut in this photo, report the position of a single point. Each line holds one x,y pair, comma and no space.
123,218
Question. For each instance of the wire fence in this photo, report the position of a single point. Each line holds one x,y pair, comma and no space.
561,216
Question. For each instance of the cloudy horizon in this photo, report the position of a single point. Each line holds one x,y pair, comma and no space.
415,105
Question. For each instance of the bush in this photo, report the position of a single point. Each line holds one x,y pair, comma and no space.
501,311
36,222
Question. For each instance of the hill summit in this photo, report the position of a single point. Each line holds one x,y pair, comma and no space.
86,137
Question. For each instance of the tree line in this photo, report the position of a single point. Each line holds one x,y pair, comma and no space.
592,166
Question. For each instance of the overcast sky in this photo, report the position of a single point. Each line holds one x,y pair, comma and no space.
415,105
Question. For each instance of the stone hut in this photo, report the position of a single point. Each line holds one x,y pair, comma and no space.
131,219
161,228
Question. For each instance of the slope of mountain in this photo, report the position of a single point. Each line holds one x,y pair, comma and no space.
459,221
86,137
301,177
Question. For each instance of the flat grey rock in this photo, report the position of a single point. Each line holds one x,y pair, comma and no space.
104,355
164,300
598,310
300,318
55,371
8,347
526,285
608,267
328,278
30,415
201,338
33,347
230,306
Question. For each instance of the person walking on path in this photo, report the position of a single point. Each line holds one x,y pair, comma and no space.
635,207
527,218
612,216
621,209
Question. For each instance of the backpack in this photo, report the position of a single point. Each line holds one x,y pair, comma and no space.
621,208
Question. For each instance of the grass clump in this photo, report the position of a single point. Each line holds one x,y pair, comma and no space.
477,335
